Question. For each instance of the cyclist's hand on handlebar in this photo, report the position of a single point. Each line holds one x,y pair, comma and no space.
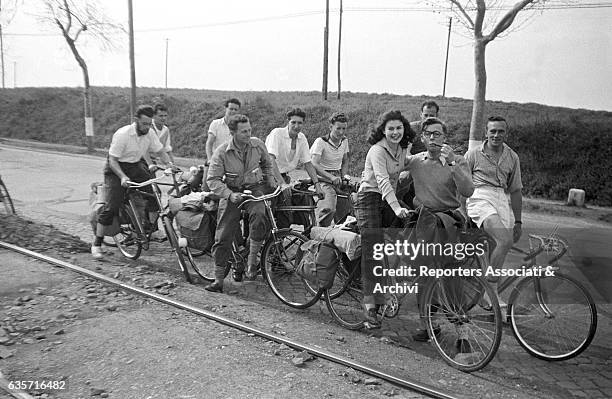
235,198
125,181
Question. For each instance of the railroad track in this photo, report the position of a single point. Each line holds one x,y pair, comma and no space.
412,385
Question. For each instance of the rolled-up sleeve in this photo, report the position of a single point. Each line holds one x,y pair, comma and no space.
272,143
216,171
379,167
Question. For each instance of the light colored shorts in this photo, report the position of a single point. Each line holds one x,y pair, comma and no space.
487,201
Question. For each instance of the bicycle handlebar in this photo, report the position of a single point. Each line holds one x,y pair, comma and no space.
251,198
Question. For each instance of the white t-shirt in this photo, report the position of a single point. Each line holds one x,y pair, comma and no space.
128,146
331,156
164,137
220,131
278,144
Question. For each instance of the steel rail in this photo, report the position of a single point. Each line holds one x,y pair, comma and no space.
412,385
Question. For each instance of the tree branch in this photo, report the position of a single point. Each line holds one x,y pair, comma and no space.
463,13
481,9
506,21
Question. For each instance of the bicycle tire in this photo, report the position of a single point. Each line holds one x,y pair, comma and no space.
346,308
204,267
6,200
127,239
464,332
569,326
174,243
280,258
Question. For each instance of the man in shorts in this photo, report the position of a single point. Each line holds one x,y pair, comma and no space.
496,172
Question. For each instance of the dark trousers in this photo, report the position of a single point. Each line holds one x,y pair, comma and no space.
373,214
137,172
228,229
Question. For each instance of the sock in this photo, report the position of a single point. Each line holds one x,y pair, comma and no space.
254,248
98,241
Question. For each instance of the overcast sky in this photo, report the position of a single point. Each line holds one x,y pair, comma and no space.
562,57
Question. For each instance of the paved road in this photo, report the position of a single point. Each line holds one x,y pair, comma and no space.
54,188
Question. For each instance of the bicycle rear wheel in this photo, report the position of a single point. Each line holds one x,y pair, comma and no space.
7,203
554,317
346,307
128,238
280,259
462,330
203,266
173,238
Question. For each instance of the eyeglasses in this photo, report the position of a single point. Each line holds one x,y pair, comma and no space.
435,134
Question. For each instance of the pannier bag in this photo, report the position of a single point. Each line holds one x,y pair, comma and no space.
198,228
319,263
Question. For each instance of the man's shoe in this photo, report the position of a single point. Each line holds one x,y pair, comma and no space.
421,335
158,236
371,321
237,276
96,252
463,346
214,287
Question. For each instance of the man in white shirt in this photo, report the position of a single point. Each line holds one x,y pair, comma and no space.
163,133
330,156
129,146
288,148
218,132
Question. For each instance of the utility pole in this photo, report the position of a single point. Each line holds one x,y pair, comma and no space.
325,49
14,74
1,46
339,43
450,24
166,63
132,63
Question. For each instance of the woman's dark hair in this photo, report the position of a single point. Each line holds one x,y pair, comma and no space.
377,132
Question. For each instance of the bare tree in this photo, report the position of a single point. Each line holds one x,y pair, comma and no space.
73,19
484,21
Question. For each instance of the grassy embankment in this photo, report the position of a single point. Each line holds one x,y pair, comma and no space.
560,148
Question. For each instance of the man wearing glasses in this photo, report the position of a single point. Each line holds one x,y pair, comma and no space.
440,176
496,171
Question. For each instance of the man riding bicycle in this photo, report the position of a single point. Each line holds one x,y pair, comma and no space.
240,164
330,158
440,176
129,146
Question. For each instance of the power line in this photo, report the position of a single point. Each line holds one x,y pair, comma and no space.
543,7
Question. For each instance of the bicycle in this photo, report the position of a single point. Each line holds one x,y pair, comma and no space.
553,316
7,203
133,237
464,334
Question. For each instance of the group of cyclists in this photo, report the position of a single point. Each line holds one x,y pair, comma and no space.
404,157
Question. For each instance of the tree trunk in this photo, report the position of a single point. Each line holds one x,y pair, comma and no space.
480,88
89,131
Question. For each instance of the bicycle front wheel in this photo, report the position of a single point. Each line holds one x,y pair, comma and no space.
553,317
464,331
280,259
128,238
7,203
173,238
